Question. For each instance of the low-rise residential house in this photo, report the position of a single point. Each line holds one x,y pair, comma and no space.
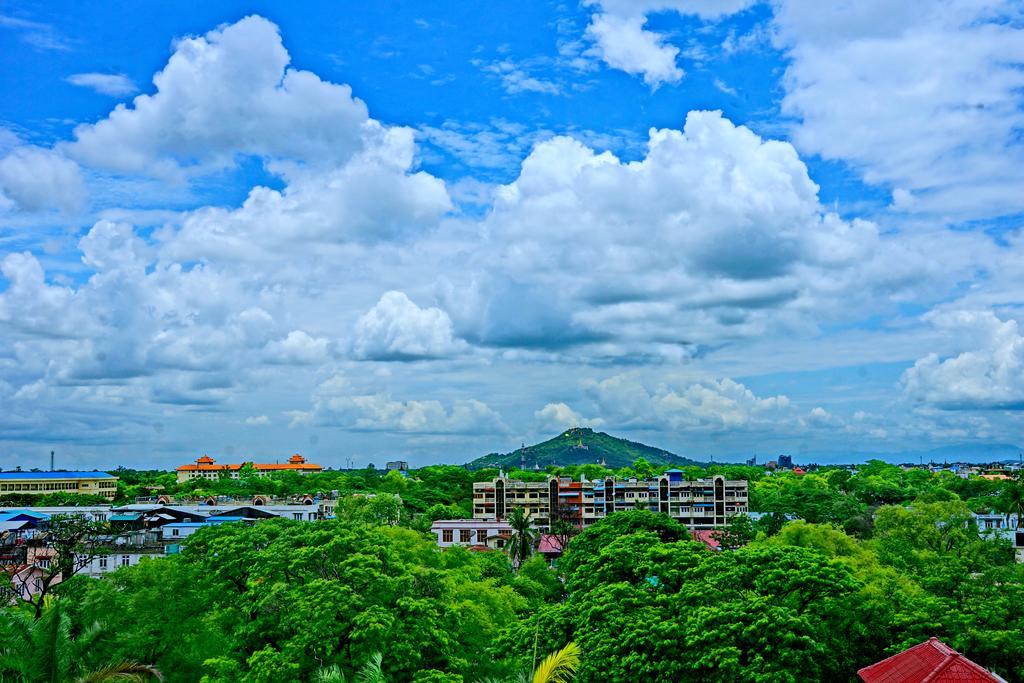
471,532
124,557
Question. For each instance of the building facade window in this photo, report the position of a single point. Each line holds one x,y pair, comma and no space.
125,560
446,536
464,535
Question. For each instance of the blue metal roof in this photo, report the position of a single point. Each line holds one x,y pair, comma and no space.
186,524
56,475
10,514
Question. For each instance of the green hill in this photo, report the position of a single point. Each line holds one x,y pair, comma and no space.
582,446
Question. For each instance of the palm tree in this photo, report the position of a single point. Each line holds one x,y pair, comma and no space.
44,651
372,672
523,539
329,674
559,666
1011,501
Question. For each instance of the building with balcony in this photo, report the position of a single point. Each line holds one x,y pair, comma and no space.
39,483
207,468
699,504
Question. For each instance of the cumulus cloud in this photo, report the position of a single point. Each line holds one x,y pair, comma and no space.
114,85
397,329
257,420
714,234
876,84
30,305
709,405
987,375
298,348
559,416
334,206
228,92
336,404
622,42
33,178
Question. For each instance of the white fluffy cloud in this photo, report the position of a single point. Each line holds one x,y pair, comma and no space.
228,92
559,416
715,234
709,405
298,348
33,178
397,329
876,84
30,305
925,99
987,374
330,207
622,42
335,403
114,85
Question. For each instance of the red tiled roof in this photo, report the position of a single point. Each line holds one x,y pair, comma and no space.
292,464
931,661
707,537
550,545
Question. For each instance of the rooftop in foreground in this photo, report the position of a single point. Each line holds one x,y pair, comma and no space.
932,661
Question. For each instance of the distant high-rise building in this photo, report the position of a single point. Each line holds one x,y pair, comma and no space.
786,462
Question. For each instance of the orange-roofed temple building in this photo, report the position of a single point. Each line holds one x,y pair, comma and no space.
207,468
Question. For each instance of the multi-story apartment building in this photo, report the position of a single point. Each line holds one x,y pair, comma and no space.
88,483
699,504
207,468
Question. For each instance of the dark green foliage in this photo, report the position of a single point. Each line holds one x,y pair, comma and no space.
582,446
879,560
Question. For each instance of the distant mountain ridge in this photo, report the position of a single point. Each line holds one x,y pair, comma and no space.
581,446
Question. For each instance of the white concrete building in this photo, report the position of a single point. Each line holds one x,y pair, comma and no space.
471,532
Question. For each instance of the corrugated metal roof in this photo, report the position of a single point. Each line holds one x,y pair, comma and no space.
10,514
56,475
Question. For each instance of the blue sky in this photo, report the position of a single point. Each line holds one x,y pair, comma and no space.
436,230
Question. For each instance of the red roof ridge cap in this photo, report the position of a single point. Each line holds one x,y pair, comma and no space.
945,664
